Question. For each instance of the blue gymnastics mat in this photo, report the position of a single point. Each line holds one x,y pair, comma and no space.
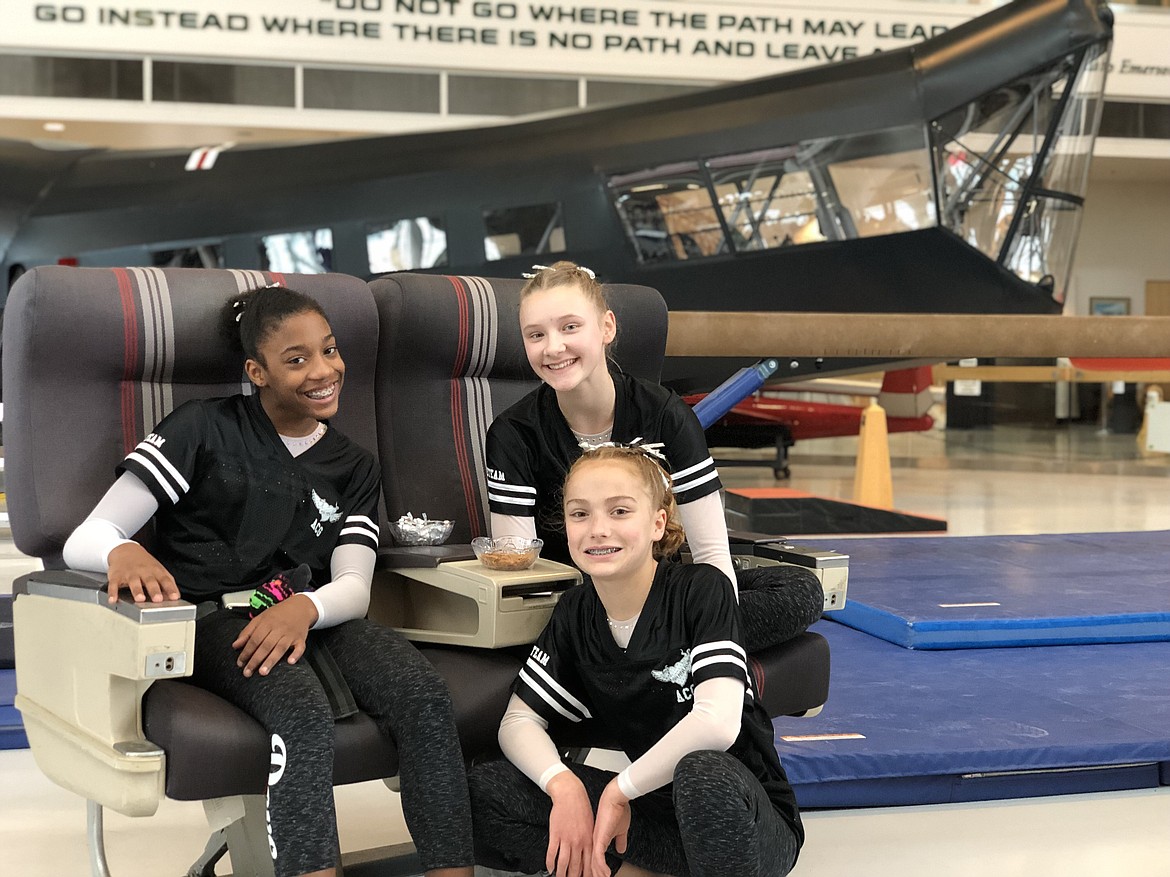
11,728
907,727
982,591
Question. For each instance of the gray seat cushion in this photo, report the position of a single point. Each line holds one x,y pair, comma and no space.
215,749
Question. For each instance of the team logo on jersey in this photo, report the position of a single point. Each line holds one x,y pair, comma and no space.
155,439
495,474
325,512
540,656
677,674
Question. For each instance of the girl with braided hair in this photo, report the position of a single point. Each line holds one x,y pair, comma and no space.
258,493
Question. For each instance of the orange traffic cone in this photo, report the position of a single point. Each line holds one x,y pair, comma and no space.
872,483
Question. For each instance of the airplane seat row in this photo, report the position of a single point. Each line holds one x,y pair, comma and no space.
94,357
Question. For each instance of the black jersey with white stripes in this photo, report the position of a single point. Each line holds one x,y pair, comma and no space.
687,633
235,506
530,448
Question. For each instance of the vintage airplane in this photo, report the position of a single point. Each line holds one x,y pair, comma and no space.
947,176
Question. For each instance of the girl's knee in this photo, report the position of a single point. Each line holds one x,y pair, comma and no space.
704,777
488,783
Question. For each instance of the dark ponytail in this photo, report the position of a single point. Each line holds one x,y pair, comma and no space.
250,317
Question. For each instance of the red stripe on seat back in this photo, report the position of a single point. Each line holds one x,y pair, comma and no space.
459,408
130,364
758,676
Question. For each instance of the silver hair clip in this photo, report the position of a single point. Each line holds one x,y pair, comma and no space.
538,268
238,307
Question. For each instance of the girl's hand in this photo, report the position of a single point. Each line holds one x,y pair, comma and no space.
570,827
132,566
613,824
278,629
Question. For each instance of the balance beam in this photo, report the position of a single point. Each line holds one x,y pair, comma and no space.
913,336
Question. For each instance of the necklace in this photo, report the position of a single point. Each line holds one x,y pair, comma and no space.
596,438
623,626
298,442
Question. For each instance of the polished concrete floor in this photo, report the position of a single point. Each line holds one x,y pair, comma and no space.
1000,481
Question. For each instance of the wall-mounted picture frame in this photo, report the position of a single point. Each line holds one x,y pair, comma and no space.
1109,306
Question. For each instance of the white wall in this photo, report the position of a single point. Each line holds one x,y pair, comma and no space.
1124,241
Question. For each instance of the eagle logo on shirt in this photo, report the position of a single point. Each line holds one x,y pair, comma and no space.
328,513
325,512
677,672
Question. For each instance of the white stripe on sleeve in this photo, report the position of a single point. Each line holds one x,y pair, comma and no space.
159,478
166,464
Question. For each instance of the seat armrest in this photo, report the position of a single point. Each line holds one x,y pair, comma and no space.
421,556
90,587
82,666
831,567
741,541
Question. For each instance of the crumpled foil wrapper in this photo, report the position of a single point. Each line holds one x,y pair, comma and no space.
409,530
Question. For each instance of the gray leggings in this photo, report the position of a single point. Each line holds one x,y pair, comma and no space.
722,822
397,688
777,603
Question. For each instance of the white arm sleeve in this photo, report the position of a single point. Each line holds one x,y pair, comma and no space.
513,525
347,596
706,531
121,513
713,723
525,742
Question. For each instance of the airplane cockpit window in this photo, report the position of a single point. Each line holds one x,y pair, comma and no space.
406,245
531,230
298,252
827,189
835,188
1012,166
668,213
766,200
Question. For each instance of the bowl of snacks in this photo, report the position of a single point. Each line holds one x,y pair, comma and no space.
409,530
508,553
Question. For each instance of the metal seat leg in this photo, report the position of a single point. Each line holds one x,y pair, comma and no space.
96,838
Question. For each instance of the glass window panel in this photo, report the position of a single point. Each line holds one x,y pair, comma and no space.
886,194
254,85
993,153
608,91
977,201
766,206
1067,168
668,214
1042,250
407,244
1121,119
194,256
506,96
371,90
533,230
1138,120
1005,128
830,189
298,252
1156,121
98,78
